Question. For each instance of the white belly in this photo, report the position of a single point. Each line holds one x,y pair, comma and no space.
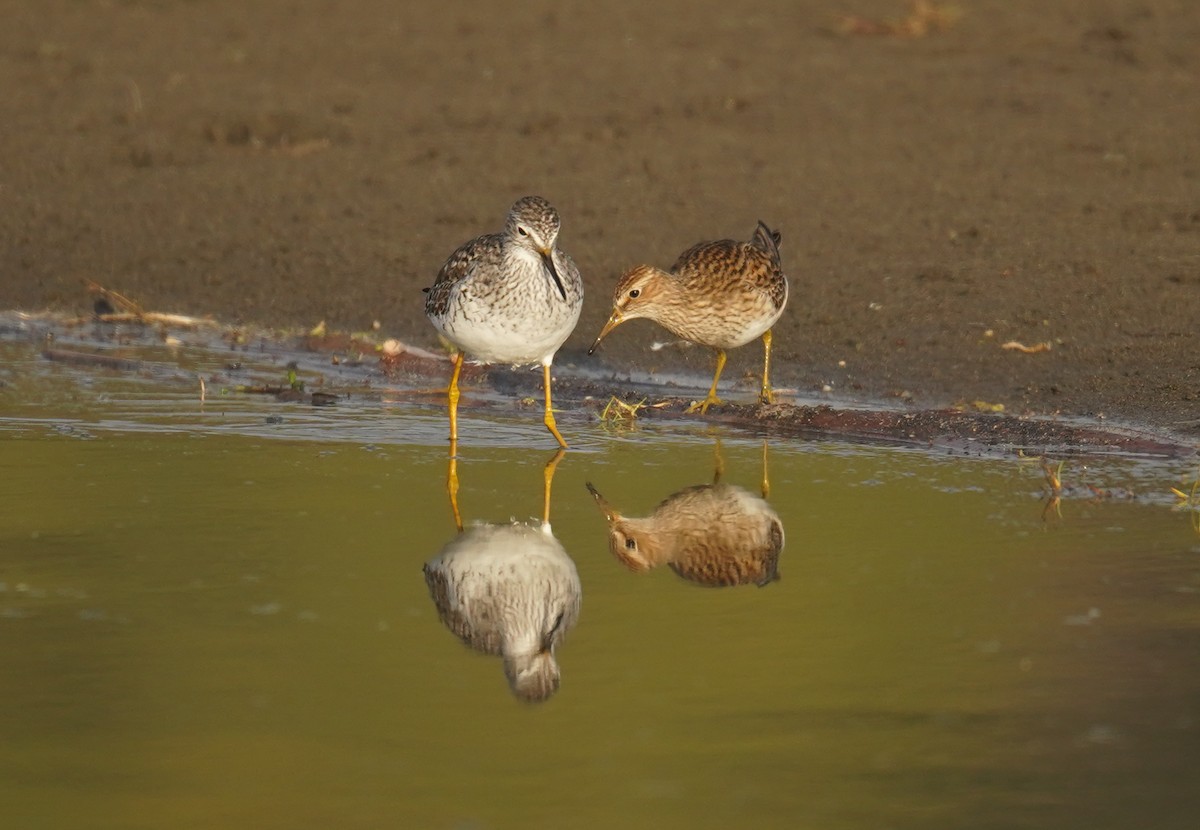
498,341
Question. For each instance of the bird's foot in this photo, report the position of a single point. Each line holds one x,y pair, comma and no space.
702,406
548,420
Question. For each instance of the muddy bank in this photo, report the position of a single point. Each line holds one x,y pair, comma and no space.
1027,173
325,369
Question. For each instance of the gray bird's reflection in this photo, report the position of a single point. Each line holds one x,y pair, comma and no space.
711,534
510,590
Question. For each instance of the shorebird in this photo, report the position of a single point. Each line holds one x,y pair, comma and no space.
510,297
711,534
509,590
719,294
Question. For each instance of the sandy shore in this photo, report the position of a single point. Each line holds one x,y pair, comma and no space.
1029,173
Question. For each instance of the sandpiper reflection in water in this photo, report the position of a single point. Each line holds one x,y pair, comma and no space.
510,590
711,534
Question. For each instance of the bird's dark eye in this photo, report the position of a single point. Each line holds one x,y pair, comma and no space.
522,231
635,293
630,544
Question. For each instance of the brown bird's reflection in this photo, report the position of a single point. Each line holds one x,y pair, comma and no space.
510,590
711,534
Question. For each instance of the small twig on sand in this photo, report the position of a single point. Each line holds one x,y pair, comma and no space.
1015,346
114,299
131,312
924,17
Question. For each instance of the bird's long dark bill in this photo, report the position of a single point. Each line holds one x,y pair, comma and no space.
613,321
549,260
604,506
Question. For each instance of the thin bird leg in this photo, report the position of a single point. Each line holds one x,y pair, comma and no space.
767,395
452,485
766,482
548,420
712,393
548,475
452,394
718,462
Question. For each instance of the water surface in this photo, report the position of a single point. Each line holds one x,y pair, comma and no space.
215,615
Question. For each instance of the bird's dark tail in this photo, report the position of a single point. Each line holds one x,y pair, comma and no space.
767,241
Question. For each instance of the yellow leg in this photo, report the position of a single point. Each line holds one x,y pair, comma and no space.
452,395
712,393
766,482
548,476
767,395
452,484
548,420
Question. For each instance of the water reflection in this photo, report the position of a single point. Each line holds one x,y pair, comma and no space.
509,590
711,534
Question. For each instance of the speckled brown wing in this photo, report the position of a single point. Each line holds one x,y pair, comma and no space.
728,265
723,540
457,269
484,638
722,571
721,559
724,259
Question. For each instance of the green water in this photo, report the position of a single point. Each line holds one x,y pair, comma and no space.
215,616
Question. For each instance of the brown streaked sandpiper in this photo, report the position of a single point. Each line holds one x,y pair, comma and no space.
719,294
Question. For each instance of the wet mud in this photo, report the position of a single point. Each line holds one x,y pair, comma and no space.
324,369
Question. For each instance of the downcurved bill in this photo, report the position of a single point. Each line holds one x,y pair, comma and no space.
548,258
615,320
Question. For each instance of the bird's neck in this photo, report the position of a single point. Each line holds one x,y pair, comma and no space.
672,308
521,642
524,258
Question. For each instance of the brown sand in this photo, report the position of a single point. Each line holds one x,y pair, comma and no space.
1031,173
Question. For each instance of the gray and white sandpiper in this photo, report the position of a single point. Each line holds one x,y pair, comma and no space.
511,591
720,294
510,297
